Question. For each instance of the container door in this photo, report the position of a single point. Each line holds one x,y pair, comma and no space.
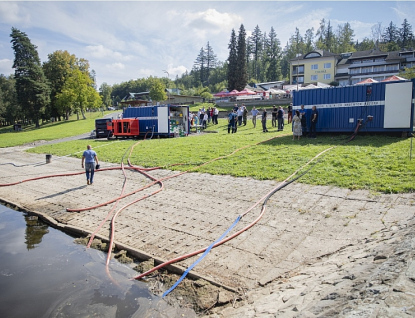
163,120
398,105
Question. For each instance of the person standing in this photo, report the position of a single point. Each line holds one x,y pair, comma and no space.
303,120
244,114
240,114
297,125
209,113
274,114
280,117
254,113
89,157
264,121
201,115
205,119
215,115
314,118
290,113
232,122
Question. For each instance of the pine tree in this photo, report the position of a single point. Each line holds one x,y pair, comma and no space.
257,45
345,36
33,91
406,36
211,62
241,65
273,54
199,67
232,62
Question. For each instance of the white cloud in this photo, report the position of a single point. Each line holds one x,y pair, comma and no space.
176,70
101,52
10,13
6,66
115,66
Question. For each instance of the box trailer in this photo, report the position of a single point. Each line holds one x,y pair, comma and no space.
166,120
379,107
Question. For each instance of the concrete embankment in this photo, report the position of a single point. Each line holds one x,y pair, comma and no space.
303,226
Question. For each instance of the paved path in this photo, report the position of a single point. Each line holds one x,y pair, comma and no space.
301,223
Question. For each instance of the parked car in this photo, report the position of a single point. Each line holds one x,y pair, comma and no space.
93,134
111,108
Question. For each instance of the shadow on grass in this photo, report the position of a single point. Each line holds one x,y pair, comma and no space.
325,139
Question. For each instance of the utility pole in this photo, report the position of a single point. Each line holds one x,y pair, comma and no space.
168,93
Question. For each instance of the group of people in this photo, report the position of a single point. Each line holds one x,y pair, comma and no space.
237,117
204,117
300,123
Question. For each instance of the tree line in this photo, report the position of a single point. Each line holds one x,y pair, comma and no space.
57,88
64,84
261,58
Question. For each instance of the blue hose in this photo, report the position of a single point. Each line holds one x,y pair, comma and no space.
201,257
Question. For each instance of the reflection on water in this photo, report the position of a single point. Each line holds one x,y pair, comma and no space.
35,230
50,276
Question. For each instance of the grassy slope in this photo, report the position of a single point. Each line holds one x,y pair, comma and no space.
49,131
378,163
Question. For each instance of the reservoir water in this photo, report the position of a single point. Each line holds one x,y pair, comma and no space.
43,273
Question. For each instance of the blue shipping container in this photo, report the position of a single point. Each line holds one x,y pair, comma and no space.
381,107
163,120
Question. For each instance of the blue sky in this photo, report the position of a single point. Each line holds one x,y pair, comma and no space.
135,39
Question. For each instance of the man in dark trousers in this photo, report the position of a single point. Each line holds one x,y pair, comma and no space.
264,121
232,122
314,117
280,117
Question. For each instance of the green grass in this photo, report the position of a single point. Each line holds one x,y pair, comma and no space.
49,131
378,163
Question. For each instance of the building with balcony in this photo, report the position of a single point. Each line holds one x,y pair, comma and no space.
313,67
358,66
348,68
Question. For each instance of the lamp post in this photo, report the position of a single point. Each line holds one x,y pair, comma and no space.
298,67
168,95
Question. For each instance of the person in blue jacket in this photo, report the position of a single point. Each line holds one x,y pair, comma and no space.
232,117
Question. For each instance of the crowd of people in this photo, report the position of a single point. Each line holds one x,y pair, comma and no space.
238,116
204,117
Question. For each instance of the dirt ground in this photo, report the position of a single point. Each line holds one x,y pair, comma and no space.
293,263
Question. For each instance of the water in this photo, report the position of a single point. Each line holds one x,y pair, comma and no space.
44,274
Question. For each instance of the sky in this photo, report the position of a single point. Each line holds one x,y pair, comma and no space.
124,40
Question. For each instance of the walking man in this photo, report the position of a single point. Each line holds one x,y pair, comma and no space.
89,157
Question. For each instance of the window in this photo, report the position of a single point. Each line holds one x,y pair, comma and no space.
355,71
314,77
300,69
343,82
327,76
357,80
327,65
300,79
366,69
314,66
392,67
380,68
